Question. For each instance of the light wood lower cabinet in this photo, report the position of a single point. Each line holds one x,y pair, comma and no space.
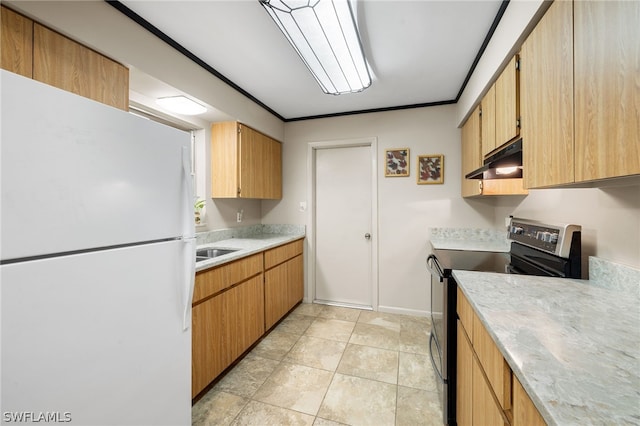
487,392
228,317
485,409
524,412
283,281
464,374
207,340
235,303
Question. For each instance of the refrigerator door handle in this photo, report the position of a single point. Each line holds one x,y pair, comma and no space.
188,222
189,280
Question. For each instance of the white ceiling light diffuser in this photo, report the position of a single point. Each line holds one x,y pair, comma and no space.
181,105
324,34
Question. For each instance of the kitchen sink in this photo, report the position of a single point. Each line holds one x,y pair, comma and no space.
210,253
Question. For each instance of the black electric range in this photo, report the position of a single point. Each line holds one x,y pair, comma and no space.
536,249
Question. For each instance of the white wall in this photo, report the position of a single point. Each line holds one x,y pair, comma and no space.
406,210
610,218
517,22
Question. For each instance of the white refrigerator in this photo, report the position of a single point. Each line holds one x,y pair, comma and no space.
97,262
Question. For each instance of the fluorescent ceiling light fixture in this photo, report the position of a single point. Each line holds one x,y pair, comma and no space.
181,105
324,34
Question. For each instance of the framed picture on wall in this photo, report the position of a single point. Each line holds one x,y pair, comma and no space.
397,162
430,169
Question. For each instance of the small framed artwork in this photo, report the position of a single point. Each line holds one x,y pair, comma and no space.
397,162
430,169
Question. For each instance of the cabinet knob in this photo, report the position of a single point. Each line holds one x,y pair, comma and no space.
367,236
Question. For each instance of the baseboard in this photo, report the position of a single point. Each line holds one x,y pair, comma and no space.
404,311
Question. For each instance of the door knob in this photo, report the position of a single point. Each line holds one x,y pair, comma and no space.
367,236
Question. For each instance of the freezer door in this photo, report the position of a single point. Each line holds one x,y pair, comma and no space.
77,174
98,337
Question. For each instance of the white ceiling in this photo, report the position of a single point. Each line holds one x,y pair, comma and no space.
419,52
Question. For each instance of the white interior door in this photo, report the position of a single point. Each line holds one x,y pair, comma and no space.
344,237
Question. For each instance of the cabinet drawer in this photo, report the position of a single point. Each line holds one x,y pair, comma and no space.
213,280
492,362
465,312
280,254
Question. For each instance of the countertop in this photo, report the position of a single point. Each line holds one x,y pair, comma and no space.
470,239
573,344
246,241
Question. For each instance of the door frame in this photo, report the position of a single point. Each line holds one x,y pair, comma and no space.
312,147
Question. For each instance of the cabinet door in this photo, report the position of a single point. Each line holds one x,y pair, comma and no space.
295,280
495,367
17,43
607,89
524,412
507,104
546,99
471,153
488,121
245,314
276,294
224,160
68,65
485,410
209,358
260,165
464,375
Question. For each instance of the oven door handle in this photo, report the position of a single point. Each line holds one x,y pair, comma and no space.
434,266
432,338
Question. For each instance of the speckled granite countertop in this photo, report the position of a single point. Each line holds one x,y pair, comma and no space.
246,240
573,344
470,239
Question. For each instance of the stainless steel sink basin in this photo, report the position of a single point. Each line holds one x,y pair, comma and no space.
205,254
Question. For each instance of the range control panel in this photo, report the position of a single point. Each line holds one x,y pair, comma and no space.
552,238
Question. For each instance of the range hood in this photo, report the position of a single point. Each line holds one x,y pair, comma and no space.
504,164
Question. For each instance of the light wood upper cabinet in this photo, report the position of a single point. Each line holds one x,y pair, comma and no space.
581,94
501,109
507,103
546,77
471,155
472,159
17,42
488,121
34,51
244,163
70,66
607,89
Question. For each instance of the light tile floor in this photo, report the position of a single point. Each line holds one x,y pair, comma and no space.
327,365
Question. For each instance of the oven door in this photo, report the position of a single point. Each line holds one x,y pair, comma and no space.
438,341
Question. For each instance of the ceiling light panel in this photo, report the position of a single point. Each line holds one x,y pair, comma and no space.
181,105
